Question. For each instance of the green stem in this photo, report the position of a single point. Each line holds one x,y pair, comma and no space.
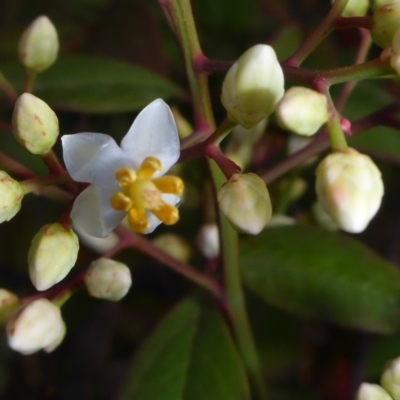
7,88
33,184
30,79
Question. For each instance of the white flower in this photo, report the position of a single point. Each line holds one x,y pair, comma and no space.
127,179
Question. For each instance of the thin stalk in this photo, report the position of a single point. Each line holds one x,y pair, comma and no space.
39,182
7,88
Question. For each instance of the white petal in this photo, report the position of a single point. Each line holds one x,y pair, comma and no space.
93,158
153,133
93,214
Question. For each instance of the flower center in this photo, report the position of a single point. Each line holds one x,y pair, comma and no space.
141,193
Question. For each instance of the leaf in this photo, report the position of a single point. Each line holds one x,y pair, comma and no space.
96,85
323,275
190,356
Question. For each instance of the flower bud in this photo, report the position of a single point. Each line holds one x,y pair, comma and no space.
11,195
108,279
253,86
38,46
368,391
380,3
208,240
9,302
302,111
390,379
36,326
386,24
355,8
245,201
350,189
52,254
173,245
35,125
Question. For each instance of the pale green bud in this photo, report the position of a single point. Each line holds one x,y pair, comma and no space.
52,254
355,8
36,326
9,302
302,111
350,189
253,86
386,24
390,379
173,245
380,3
35,125
245,201
369,391
108,279
11,195
38,46
208,240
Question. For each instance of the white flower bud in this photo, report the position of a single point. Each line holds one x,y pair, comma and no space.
208,240
108,279
173,245
350,189
355,8
390,379
38,46
9,302
368,391
386,24
52,254
36,326
253,86
11,195
302,111
245,201
35,125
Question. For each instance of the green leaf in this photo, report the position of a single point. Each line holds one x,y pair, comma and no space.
323,275
190,356
96,85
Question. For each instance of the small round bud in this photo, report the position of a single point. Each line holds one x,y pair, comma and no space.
380,3
386,24
38,46
52,254
253,86
108,279
390,379
9,302
35,125
11,195
355,8
350,189
173,245
245,201
368,391
302,111
36,326
208,240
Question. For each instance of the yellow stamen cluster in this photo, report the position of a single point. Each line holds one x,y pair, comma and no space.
141,193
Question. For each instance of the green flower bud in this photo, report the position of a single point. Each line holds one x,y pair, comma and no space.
350,189
35,124
36,326
253,86
108,279
386,24
208,240
52,254
390,379
9,302
355,8
380,3
38,46
368,391
245,201
11,195
173,245
302,111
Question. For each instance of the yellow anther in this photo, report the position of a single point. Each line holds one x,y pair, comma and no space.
121,202
125,176
149,167
166,213
170,184
137,220
144,194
